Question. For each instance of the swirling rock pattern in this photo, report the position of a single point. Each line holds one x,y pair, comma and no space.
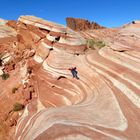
103,104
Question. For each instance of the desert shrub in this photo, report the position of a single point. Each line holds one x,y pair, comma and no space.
18,107
94,44
100,44
90,43
14,89
5,76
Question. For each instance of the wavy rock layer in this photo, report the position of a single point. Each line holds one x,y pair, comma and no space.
103,104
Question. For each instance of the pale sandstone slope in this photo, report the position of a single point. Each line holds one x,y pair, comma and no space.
103,104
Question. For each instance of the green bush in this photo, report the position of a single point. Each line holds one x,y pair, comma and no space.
93,44
18,107
5,76
90,43
100,44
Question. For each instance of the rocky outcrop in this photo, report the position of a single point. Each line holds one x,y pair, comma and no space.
12,23
81,24
102,104
134,23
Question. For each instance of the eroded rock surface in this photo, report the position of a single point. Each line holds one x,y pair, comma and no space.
103,104
82,24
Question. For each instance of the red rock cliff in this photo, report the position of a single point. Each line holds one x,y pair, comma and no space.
81,24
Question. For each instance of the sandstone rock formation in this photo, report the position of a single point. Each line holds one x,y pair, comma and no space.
103,104
81,24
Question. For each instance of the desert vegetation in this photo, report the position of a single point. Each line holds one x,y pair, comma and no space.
95,44
5,76
18,106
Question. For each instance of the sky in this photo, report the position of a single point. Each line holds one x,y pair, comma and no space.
109,13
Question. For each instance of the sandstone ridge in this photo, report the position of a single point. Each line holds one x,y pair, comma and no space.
103,104
82,24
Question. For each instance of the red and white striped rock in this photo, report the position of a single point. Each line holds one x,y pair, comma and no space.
103,104
66,36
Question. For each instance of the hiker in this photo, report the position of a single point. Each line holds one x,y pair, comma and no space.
74,72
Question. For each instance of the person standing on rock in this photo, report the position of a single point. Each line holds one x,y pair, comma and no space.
74,72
